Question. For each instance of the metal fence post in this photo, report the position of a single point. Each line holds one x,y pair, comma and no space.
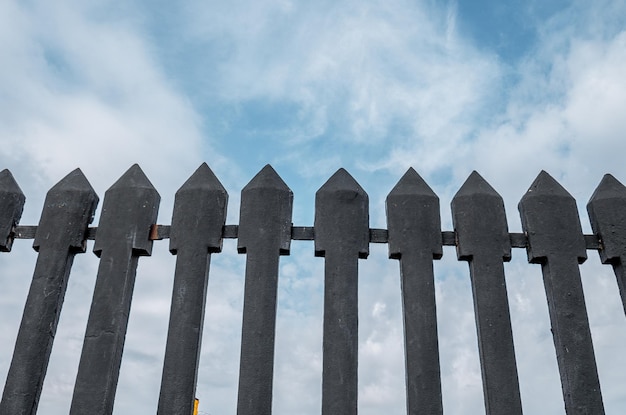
341,237
607,214
555,240
197,222
415,240
483,240
11,205
129,210
264,234
68,209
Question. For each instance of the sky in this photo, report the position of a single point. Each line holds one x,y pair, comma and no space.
503,88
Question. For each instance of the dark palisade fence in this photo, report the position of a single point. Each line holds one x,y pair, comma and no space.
127,229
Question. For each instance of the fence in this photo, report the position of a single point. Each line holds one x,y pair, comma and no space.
127,227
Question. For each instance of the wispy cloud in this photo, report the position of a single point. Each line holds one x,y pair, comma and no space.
375,87
378,75
83,92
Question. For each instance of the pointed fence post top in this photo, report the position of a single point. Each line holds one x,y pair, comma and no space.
129,210
609,188
607,214
341,215
341,181
199,212
12,201
68,210
266,178
133,178
411,183
202,179
74,181
550,220
476,185
479,220
266,212
413,217
8,183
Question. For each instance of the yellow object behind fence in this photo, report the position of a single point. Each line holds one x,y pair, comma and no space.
196,404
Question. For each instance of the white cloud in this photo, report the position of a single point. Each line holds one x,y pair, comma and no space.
81,92
356,71
390,82
577,137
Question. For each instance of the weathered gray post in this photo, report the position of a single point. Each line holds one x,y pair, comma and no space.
607,213
415,239
129,210
11,205
341,237
555,240
264,235
483,240
196,232
68,209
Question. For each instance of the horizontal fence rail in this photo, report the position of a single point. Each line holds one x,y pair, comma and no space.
307,233
127,228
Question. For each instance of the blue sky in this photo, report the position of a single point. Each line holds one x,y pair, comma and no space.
506,89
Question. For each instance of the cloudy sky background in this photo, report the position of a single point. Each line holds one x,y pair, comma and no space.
374,87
